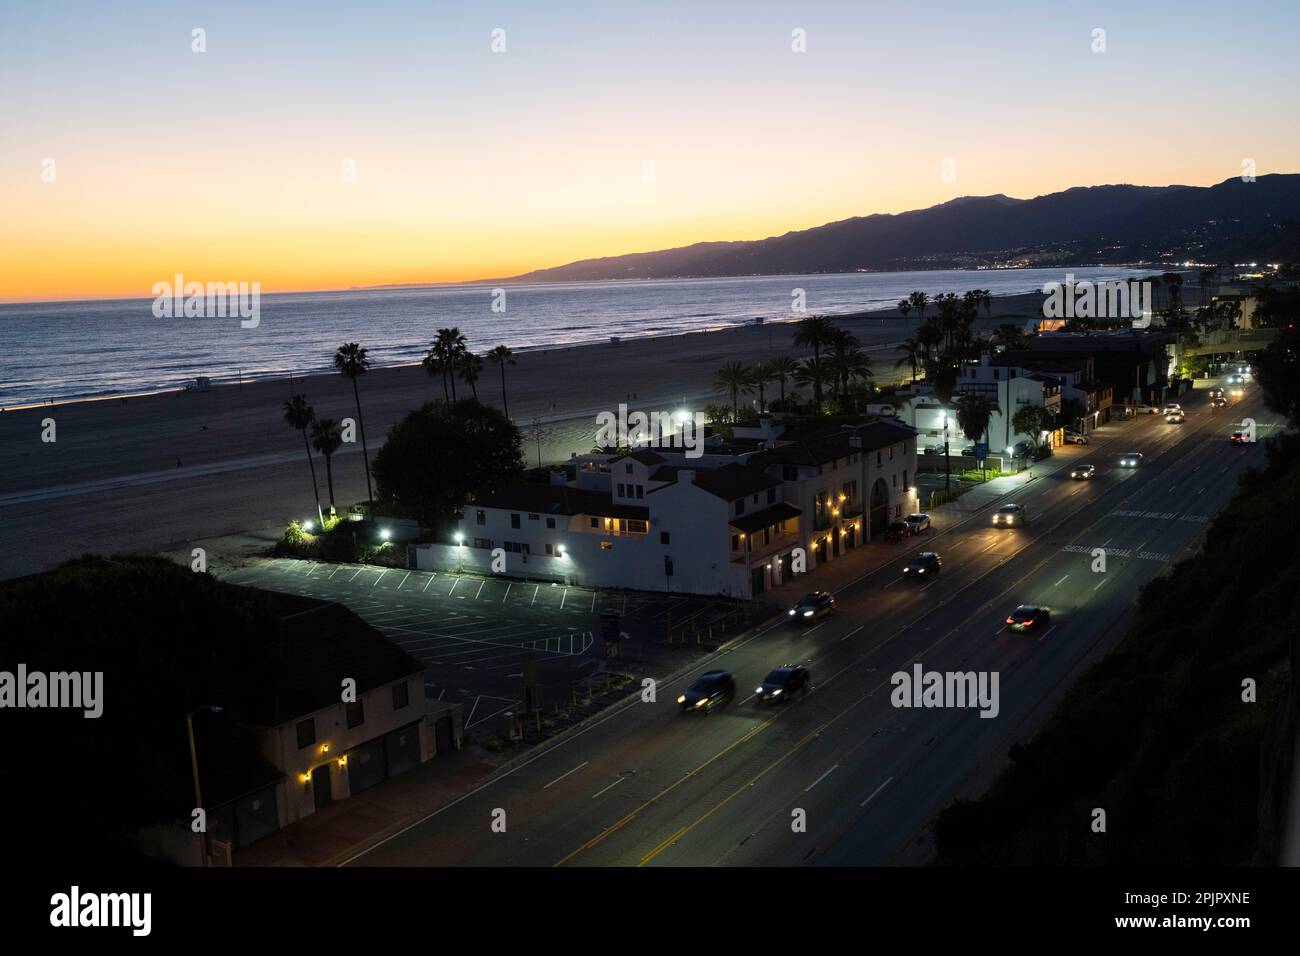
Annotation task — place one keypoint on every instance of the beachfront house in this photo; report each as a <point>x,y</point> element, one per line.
<point>738,521</point>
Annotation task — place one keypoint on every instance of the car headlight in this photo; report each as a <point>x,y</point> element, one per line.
<point>792,612</point>
<point>682,699</point>
<point>758,690</point>
<point>807,613</point>
<point>701,703</point>
<point>920,570</point>
<point>775,692</point>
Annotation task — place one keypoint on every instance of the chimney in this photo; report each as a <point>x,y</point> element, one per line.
<point>559,477</point>
<point>685,476</point>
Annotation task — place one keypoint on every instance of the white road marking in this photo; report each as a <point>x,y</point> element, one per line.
<point>536,588</point>
<point>403,581</point>
<point>876,792</point>
<point>563,598</point>
<point>852,632</point>
<point>821,778</point>
<point>480,588</point>
<point>563,775</point>
<point>610,787</point>
<point>509,585</point>
<point>1046,632</point>
<point>354,576</point>
<point>380,578</point>
<point>453,586</point>
<point>427,583</point>
<point>1063,577</point>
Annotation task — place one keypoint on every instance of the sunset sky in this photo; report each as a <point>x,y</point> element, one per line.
<point>227,165</point>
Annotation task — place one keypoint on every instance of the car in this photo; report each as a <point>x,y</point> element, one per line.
<point>782,684</point>
<point>1076,438</point>
<point>1142,408</point>
<point>1029,617</point>
<point>711,690</point>
<point>1131,459</point>
<point>897,531</point>
<point>1236,379</point>
<point>1236,391</point>
<point>968,451</point>
<point>1238,438</point>
<point>1216,393</point>
<point>927,564</point>
<point>813,607</point>
<point>918,523</point>
<point>1219,402</point>
<point>1176,418</point>
<point>1173,408</point>
<point>1083,471</point>
<point>1009,515</point>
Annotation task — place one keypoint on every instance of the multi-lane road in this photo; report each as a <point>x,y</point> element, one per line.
<point>843,776</point>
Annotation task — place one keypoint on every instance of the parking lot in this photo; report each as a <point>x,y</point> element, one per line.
<point>475,633</point>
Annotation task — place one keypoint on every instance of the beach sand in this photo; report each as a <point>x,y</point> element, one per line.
<point>160,472</point>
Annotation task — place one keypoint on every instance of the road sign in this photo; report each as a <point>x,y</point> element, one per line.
<point>981,450</point>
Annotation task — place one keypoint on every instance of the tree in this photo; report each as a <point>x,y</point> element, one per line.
<point>326,437</point>
<point>929,335</point>
<point>973,415</point>
<point>1072,412</point>
<point>919,302</point>
<point>435,363</point>
<point>1033,420</point>
<point>1278,373</point>
<point>913,351</point>
<point>1010,336</point>
<point>943,376</point>
<point>439,457</point>
<point>815,332</point>
<point>733,378</point>
<point>783,370</point>
<point>449,346</point>
<point>299,415</point>
<point>761,376</point>
<point>904,307</point>
<point>351,362</point>
<point>501,356</point>
<point>470,368</point>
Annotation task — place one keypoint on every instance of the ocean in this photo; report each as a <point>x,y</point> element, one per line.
<point>57,351</point>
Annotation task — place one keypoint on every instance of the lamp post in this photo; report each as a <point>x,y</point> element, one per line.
<point>460,550</point>
<point>947,461</point>
<point>194,770</point>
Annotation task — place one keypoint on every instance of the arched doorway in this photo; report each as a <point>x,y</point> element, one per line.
<point>879,506</point>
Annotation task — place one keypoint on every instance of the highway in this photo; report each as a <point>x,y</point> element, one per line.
<point>841,776</point>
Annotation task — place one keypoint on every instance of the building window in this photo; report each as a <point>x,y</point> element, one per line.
<point>514,521</point>
<point>905,482</point>
<point>627,469</point>
<point>633,526</point>
<point>789,473</point>
<point>306,732</point>
<point>895,477</point>
<point>550,550</point>
<point>891,452</point>
<point>532,517</point>
<point>771,495</point>
<point>483,543</point>
<point>640,491</point>
<point>879,460</point>
<point>663,537</point>
<point>401,695</point>
<point>740,506</point>
<point>480,517</point>
<point>550,522</point>
<point>607,546</point>
<point>356,714</point>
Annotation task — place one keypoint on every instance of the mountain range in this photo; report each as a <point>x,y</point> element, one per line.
<point>1231,221</point>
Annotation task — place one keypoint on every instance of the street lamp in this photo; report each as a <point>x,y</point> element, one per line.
<point>947,461</point>
<point>194,769</point>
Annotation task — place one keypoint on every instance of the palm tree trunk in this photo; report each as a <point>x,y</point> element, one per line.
<point>329,478</point>
<point>365,454</point>
<point>315,488</point>
<point>505,403</point>
<point>446,397</point>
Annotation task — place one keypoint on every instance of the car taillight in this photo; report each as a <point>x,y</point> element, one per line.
<point>1011,620</point>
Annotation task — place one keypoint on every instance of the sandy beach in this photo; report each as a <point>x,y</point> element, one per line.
<point>161,471</point>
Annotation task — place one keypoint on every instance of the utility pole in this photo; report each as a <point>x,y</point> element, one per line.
<point>947,460</point>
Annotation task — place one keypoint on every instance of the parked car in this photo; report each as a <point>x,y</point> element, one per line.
<point>1238,438</point>
<point>1083,471</point>
<point>897,531</point>
<point>1029,617</point>
<point>1130,459</point>
<point>918,522</point>
<point>782,684</point>
<point>1010,515</point>
<point>1142,408</point>
<point>927,564</point>
<point>813,607</point>
<point>1076,438</point>
<point>711,690</point>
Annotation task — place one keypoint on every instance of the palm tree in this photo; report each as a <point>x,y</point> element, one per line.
<point>815,332</point>
<point>973,415</point>
<point>850,367</point>
<point>947,305</point>
<point>299,415</point>
<point>904,307</point>
<point>502,356</point>
<point>326,437</point>
<point>842,342</point>
<point>783,368</point>
<point>760,376</point>
<point>351,361</point>
<point>1203,279</point>
<point>470,368</point>
<point>913,350</point>
<point>919,302</point>
<point>1009,336</point>
<point>734,378</point>
<point>435,363</point>
<point>929,335</point>
<point>450,344</point>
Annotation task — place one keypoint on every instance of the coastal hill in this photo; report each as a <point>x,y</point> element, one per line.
<point>1233,220</point>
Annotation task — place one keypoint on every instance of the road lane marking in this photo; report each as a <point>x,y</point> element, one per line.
<point>610,787</point>
<point>1046,632</point>
<point>1063,577</point>
<point>875,793</point>
<point>821,778</point>
<point>563,775</point>
<point>851,633</point>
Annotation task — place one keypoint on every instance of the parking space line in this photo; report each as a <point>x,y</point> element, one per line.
<point>453,586</point>
<point>403,581</point>
<point>509,585</point>
<point>354,576</point>
<point>536,588</point>
<point>432,575</point>
<point>480,588</point>
<point>380,578</point>
<point>334,572</point>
